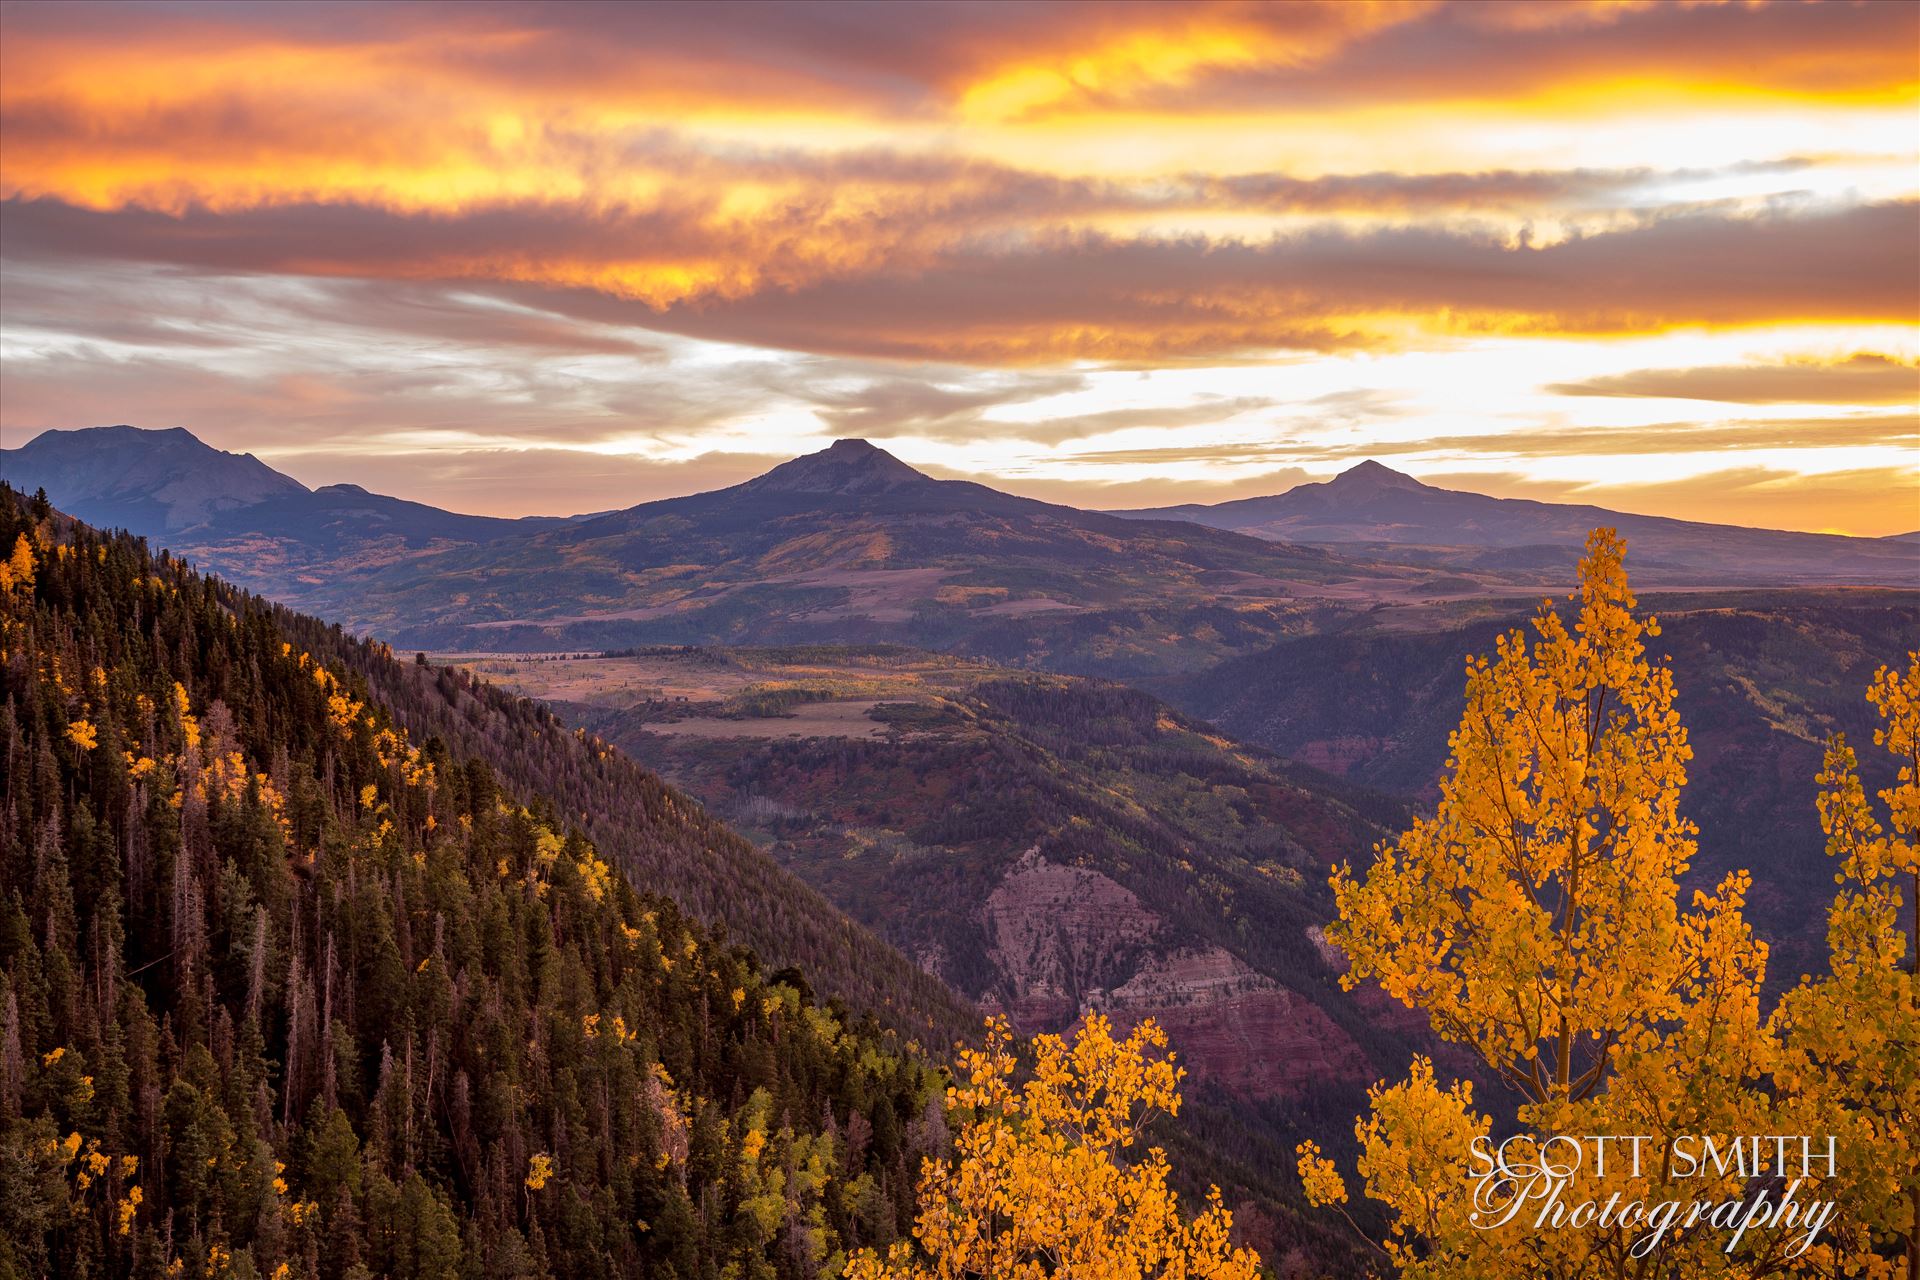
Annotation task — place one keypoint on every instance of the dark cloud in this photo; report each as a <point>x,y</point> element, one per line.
<point>916,58</point>
<point>1482,52</point>
<point>1070,296</point>
<point>1100,297</point>
<point>919,405</point>
<point>1861,379</point>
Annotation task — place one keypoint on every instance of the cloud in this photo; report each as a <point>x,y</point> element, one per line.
<point>960,410</point>
<point>1125,495</point>
<point>1059,297</point>
<point>922,402</point>
<point>362,369</point>
<point>1085,296</point>
<point>479,236</point>
<point>933,57</point>
<point>1865,378</point>
<point>1107,298</point>
<point>531,481</point>
<point>1043,58</point>
<point>1554,53</point>
<point>1855,431</point>
<point>1529,190</point>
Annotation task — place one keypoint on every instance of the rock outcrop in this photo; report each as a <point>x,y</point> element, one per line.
<point>1069,940</point>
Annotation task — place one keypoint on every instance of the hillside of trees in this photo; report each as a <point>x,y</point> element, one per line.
<point>295,983</point>
<point>661,837</point>
<point>915,832</point>
<point>1765,677</point>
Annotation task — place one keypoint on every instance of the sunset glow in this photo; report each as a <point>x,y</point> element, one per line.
<point>519,258</point>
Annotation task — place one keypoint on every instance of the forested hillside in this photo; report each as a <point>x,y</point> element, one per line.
<point>659,836</point>
<point>287,992</point>
<point>1763,678</point>
<point>1049,846</point>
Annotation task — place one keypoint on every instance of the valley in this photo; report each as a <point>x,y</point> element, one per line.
<point>932,750</point>
<point>1045,845</point>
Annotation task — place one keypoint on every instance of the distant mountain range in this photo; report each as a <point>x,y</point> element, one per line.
<point>845,544</point>
<point>152,483</point>
<point>230,512</point>
<point>851,544</point>
<point>1373,508</point>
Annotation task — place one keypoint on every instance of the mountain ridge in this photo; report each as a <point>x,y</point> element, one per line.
<point>123,476</point>
<point>1372,505</point>
<point>851,544</point>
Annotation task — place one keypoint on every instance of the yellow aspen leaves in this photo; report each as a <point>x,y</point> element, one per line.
<point>82,734</point>
<point>1535,915</point>
<point>17,570</point>
<point>1322,1180</point>
<point>1040,1183</point>
<point>1537,918</point>
<point>539,1170</point>
<point>1849,1040</point>
<point>189,727</point>
<point>597,876</point>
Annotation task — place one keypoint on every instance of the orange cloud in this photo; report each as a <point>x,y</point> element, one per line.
<point>798,286</point>
<point>557,188</point>
<point>1861,379</point>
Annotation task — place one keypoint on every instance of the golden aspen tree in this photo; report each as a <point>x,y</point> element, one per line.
<point>1849,1060</point>
<point>1537,918</point>
<point>1041,1183</point>
<point>16,571</point>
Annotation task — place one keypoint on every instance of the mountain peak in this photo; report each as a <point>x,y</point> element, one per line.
<point>1370,477</point>
<point>145,480</point>
<point>844,467</point>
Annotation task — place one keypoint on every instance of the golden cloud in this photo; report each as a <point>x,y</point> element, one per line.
<point>1866,378</point>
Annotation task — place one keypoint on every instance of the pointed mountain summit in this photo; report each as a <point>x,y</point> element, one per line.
<point>847,542</point>
<point>1371,477</point>
<point>851,467</point>
<point>1376,507</point>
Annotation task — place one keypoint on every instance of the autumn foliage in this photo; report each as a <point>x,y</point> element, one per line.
<point>1538,919</point>
<point>1043,1181</point>
<point>290,991</point>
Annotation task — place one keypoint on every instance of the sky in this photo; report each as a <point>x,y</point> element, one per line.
<point>556,257</point>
